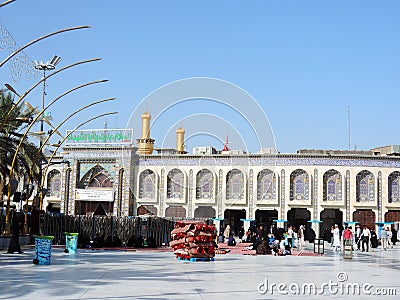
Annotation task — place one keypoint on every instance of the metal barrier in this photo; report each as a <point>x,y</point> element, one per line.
<point>348,249</point>
<point>319,246</point>
<point>122,228</point>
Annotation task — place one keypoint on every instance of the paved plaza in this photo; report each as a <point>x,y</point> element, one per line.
<point>103,274</point>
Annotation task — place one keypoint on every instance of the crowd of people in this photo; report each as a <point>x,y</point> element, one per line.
<point>361,238</point>
<point>272,240</point>
<point>277,241</point>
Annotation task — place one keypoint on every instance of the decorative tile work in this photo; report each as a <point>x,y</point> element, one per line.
<point>393,187</point>
<point>234,185</point>
<point>94,154</point>
<point>219,195</point>
<point>299,185</point>
<point>379,196</point>
<point>204,184</point>
<point>175,184</point>
<point>108,166</point>
<point>315,194</point>
<point>147,184</point>
<point>332,186</point>
<point>278,160</point>
<point>282,194</point>
<point>365,186</point>
<point>250,194</point>
<point>266,185</point>
<point>348,200</point>
<point>162,191</point>
<point>190,191</point>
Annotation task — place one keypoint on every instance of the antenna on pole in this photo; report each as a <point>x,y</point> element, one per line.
<point>348,125</point>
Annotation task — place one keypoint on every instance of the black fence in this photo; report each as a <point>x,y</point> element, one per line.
<point>111,227</point>
<point>114,228</point>
<point>2,220</point>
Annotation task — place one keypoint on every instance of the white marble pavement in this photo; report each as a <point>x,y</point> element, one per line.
<point>138,275</point>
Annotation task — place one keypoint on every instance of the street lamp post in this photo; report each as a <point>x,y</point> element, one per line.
<point>49,65</point>
<point>22,97</point>
<point>6,2</point>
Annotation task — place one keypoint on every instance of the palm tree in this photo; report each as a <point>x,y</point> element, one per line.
<point>10,136</point>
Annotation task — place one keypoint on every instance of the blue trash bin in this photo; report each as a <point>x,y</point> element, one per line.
<point>43,250</point>
<point>71,242</point>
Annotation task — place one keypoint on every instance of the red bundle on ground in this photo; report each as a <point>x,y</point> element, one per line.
<point>193,240</point>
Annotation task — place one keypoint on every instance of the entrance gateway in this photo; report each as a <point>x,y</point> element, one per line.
<point>94,202</point>
<point>298,216</point>
<point>266,217</point>
<point>233,218</point>
<point>329,217</point>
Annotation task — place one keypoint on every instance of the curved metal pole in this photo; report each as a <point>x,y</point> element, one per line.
<point>39,39</point>
<point>10,176</point>
<point>62,141</point>
<point>44,143</point>
<point>7,116</point>
<point>6,2</point>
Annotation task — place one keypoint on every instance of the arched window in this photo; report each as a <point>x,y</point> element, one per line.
<point>394,180</point>
<point>332,186</point>
<point>95,177</point>
<point>365,186</point>
<point>175,184</point>
<point>299,183</point>
<point>234,184</point>
<point>100,180</point>
<point>147,184</point>
<point>204,184</point>
<point>266,185</point>
<point>54,183</point>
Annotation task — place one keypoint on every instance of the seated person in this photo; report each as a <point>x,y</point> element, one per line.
<point>264,248</point>
<point>221,238</point>
<point>132,241</point>
<point>287,250</point>
<point>231,241</point>
<point>276,247</point>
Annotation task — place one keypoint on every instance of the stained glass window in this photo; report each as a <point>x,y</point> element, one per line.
<point>54,183</point>
<point>365,186</point>
<point>332,186</point>
<point>147,184</point>
<point>175,184</point>
<point>394,179</point>
<point>299,185</point>
<point>204,184</point>
<point>266,185</point>
<point>234,184</point>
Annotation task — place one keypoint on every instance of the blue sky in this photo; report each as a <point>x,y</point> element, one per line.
<point>305,62</point>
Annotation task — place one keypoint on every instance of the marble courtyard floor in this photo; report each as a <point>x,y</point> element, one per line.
<point>100,274</point>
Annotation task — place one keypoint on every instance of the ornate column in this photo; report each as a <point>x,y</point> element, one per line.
<point>161,193</point>
<point>315,191</point>
<point>219,195</point>
<point>190,191</point>
<point>348,195</point>
<point>250,195</point>
<point>379,196</point>
<point>282,194</point>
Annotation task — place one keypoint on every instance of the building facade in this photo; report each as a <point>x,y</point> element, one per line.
<point>327,187</point>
